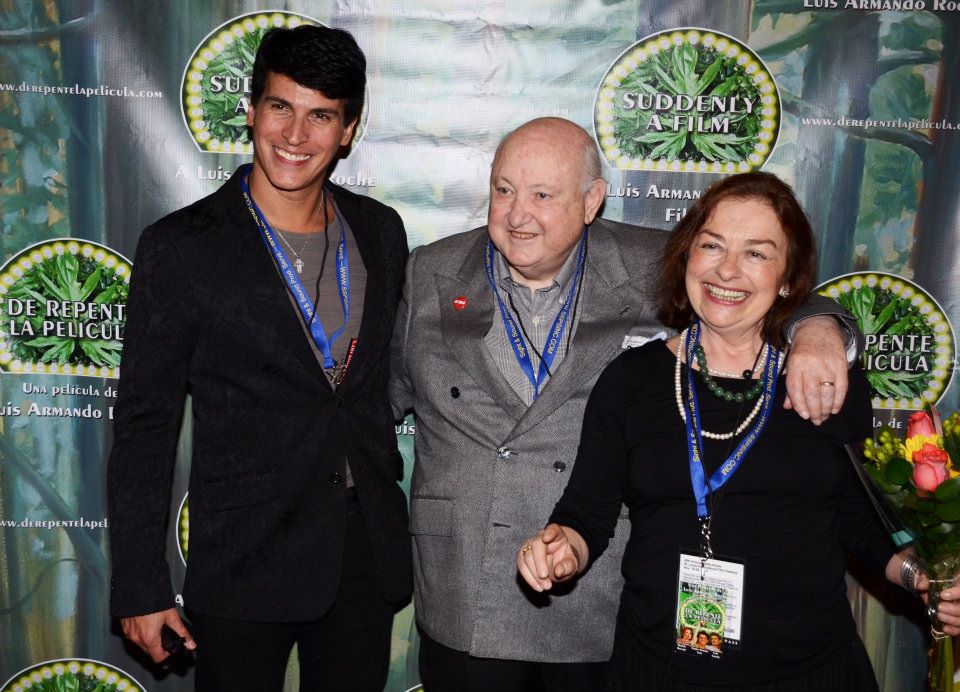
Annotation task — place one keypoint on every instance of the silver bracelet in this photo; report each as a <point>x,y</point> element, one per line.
<point>909,569</point>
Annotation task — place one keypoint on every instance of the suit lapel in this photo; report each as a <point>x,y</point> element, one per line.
<point>272,307</point>
<point>464,330</point>
<point>365,233</point>
<point>594,342</point>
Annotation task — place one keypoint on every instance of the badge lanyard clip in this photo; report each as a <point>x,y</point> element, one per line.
<point>706,549</point>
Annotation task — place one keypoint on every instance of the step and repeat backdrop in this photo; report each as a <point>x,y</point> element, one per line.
<point>116,112</point>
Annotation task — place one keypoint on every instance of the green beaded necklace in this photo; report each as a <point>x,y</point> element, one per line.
<point>719,391</point>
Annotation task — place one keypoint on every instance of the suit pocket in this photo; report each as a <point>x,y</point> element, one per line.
<point>236,491</point>
<point>431,516</point>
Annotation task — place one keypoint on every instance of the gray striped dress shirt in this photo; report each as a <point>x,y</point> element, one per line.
<point>536,312</point>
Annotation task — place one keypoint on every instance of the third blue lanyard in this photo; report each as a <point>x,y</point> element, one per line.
<point>556,330</point>
<point>701,486</point>
<point>307,309</point>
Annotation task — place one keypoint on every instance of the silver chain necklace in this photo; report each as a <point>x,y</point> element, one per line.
<point>297,262</point>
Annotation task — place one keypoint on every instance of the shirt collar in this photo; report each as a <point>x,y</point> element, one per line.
<point>561,280</point>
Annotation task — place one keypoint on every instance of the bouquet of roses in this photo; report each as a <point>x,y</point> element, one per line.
<point>920,478</point>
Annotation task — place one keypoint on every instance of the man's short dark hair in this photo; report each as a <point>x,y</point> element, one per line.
<point>317,57</point>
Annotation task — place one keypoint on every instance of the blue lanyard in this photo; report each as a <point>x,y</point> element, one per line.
<point>771,369</point>
<point>554,338</point>
<point>293,282</point>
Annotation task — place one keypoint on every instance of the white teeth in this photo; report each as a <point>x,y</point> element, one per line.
<point>291,157</point>
<point>726,294</point>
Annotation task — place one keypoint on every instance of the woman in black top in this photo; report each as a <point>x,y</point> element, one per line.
<point>741,512</point>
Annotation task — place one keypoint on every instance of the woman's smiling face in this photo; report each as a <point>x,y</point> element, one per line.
<point>736,265</point>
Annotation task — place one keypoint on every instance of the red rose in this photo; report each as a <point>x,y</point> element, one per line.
<point>930,454</point>
<point>929,467</point>
<point>920,423</point>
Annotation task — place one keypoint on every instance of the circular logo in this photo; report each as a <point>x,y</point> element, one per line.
<point>62,309</point>
<point>72,674</point>
<point>215,89</point>
<point>687,99</point>
<point>183,528</point>
<point>910,347</point>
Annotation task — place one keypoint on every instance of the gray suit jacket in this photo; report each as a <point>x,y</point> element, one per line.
<point>488,468</point>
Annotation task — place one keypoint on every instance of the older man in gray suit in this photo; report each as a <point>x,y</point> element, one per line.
<point>500,336</point>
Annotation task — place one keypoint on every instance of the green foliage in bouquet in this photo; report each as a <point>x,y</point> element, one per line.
<point>919,477</point>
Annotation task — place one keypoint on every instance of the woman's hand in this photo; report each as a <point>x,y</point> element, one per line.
<point>948,610</point>
<point>556,554</point>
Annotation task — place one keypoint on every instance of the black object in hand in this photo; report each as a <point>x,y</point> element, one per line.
<point>172,642</point>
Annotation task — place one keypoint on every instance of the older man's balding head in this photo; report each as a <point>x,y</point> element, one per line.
<point>545,187</point>
<point>566,134</point>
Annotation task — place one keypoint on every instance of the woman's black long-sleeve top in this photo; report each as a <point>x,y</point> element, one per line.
<point>791,512</point>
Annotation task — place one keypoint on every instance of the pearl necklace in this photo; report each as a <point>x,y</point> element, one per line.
<point>679,397</point>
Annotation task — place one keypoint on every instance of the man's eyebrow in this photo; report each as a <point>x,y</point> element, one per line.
<point>539,186</point>
<point>322,110</point>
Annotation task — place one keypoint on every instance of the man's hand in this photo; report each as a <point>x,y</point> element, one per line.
<point>556,554</point>
<point>144,631</point>
<point>817,372</point>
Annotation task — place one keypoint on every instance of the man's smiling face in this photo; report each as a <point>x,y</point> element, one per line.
<point>540,198</point>
<point>296,133</point>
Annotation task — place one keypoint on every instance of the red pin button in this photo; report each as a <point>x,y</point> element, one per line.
<point>459,303</point>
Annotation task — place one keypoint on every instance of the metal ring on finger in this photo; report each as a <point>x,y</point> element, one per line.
<point>827,384</point>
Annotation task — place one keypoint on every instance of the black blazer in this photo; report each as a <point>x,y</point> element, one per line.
<point>209,315</point>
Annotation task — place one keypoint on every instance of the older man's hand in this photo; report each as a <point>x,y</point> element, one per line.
<point>817,369</point>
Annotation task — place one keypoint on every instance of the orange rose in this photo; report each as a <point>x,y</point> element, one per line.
<point>929,467</point>
<point>920,423</point>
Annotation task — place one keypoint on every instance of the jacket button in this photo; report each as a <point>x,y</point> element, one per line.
<point>559,466</point>
<point>336,478</point>
<point>504,453</point>
<point>454,392</point>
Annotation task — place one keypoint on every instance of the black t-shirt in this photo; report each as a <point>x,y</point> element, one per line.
<point>790,513</point>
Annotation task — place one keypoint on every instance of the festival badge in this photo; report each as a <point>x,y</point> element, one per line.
<point>63,309</point>
<point>72,674</point>
<point>215,89</point>
<point>687,99</point>
<point>910,346</point>
<point>701,611</point>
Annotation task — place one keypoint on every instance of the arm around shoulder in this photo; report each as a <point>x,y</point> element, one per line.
<point>825,340</point>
